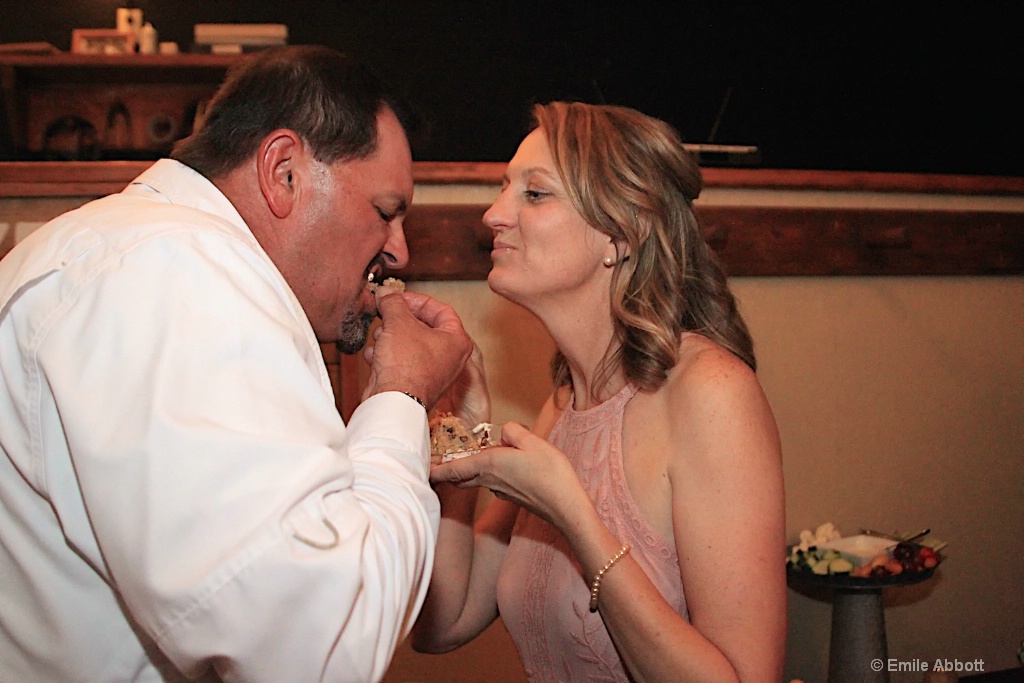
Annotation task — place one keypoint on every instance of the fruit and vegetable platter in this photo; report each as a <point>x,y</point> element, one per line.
<point>865,559</point>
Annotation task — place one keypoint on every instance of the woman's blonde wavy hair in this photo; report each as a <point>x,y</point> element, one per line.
<point>628,175</point>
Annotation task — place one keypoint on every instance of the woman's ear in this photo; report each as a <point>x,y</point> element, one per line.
<point>277,169</point>
<point>622,249</point>
<point>618,252</point>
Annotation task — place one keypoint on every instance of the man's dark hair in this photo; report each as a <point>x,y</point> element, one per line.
<point>330,99</point>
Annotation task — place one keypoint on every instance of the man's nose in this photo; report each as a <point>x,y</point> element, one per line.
<point>396,251</point>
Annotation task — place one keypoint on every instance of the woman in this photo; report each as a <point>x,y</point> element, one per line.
<point>637,532</point>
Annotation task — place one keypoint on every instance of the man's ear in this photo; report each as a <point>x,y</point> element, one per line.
<point>278,162</point>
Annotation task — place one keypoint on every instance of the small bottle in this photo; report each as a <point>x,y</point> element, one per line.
<point>147,39</point>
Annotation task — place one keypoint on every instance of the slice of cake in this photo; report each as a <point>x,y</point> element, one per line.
<point>390,282</point>
<point>451,439</point>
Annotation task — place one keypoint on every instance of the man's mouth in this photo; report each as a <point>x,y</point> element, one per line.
<point>374,275</point>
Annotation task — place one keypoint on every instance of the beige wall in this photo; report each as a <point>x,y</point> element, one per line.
<point>901,406</point>
<point>900,402</point>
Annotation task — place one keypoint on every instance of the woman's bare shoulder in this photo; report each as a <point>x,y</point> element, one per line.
<point>703,362</point>
<point>710,386</point>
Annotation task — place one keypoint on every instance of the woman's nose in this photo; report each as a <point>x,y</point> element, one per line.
<point>498,215</point>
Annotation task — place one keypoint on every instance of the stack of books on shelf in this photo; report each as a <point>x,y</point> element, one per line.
<point>226,39</point>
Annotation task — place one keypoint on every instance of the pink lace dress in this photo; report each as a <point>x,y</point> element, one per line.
<point>542,595</point>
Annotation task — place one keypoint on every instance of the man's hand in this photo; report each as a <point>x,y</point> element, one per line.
<point>420,346</point>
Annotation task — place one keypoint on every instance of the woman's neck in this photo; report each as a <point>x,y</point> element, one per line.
<point>587,395</point>
<point>586,344</point>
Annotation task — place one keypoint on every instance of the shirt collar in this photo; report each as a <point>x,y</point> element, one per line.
<point>184,186</point>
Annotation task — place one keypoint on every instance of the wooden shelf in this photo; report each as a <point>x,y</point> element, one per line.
<point>67,68</point>
<point>72,106</point>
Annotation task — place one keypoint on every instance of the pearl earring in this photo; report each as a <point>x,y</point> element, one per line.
<point>609,261</point>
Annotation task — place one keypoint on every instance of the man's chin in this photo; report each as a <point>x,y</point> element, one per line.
<point>354,330</point>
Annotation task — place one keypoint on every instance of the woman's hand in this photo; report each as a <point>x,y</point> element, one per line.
<point>527,471</point>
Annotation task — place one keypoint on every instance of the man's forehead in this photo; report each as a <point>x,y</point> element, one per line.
<point>385,175</point>
<point>393,156</point>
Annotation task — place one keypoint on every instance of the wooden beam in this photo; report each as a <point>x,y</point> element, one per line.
<point>85,179</point>
<point>760,241</point>
<point>96,178</point>
<point>449,242</point>
<point>490,173</point>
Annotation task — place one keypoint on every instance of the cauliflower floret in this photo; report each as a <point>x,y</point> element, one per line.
<point>823,534</point>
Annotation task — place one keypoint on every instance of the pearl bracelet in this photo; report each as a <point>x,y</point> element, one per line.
<point>595,585</point>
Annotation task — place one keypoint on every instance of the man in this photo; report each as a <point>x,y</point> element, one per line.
<point>181,497</point>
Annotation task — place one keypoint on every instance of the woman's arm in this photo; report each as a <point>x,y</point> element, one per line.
<point>462,599</point>
<point>727,504</point>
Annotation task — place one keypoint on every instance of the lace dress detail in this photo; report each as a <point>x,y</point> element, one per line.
<point>542,594</point>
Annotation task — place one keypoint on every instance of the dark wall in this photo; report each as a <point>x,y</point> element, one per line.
<point>899,86</point>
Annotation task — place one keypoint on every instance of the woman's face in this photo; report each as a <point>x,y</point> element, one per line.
<point>543,249</point>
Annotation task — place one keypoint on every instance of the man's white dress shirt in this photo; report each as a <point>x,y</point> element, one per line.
<point>179,492</point>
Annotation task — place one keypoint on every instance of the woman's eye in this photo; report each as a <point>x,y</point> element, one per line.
<point>385,216</point>
<point>534,195</point>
